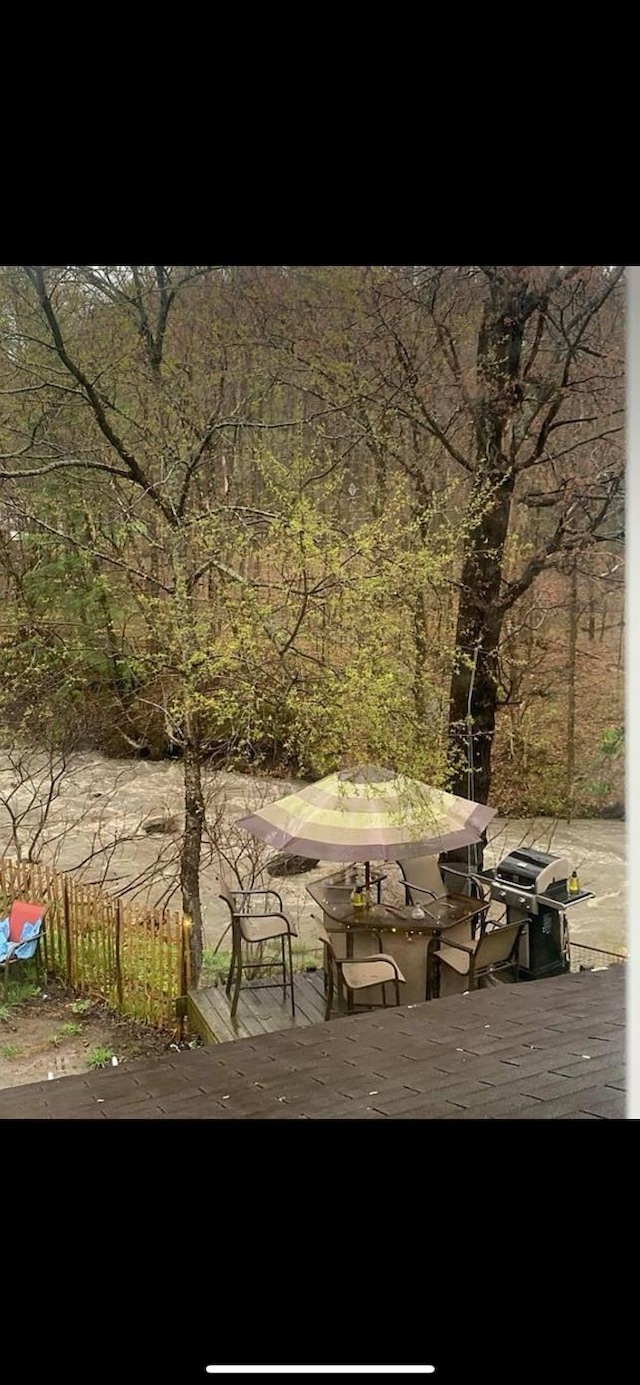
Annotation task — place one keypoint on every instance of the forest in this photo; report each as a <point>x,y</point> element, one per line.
<point>286,518</point>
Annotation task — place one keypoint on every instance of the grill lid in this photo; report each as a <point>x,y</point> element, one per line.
<point>528,869</point>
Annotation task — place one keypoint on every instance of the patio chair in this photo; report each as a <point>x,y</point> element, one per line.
<point>251,927</point>
<point>354,976</point>
<point>423,881</point>
<point>463,965</point>
<point>21,934</point>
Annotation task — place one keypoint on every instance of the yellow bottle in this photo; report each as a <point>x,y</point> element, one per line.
<point>574,883</point>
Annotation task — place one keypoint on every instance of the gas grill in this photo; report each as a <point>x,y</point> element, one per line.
<point>524,877</point>
<point>534,888</point>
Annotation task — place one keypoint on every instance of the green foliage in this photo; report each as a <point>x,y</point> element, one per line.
<point>215,964</point>
<point>215,967</point>
<point>10,1050</point>
<point>603,777</point>
<point>612,742</point>
<point>18,992</point>
<point>281,604</point>
<point>99,1056</point>
<point>80,1007</point>
<point>66,1031</point>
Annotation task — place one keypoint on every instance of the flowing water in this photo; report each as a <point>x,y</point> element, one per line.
<point>103,804</point>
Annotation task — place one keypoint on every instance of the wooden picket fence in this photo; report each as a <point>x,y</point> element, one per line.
<point>136,960</point>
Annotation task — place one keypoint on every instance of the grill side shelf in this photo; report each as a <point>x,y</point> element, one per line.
<point>565,899</point>
<point>562,900</point>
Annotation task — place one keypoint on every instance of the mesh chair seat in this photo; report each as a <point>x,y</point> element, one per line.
<point>371,971</point>
<point>356,975</point>
<point>423,881</point>
<point>261,930</point>
<point>454,958</point>
<point>492,951</point>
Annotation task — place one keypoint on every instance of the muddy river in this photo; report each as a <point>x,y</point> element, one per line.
<point>102,806</point>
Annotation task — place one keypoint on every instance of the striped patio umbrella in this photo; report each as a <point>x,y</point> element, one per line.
<point>368,814</point>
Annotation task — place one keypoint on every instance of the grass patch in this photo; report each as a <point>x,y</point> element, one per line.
<point>148,966</point>
<point>66,1031</point>
<point>10,1050</point>
<point>98,1057</point>
<point>20,991</point>
<point>215,965</point>
<point>80,1007</point>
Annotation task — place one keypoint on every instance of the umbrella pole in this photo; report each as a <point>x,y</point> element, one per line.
<point>367,875</point>
<point>470,766</point>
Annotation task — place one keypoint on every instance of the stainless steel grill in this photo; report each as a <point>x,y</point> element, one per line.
<point>535,887</point>
<point>525,877</point>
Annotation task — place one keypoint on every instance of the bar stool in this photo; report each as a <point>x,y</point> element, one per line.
<point>250,927</point>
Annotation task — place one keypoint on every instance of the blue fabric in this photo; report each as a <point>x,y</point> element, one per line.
<point>28,940</point>
<point>4,938</point>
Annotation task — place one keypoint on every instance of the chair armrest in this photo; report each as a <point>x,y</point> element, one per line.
<point>419,889</point>
<point>481,885</point>
<point>251,918</point>
<point>273,914</point>
<point>460,947</point>
<point>493,924</point>
<point>382,957</point>
<point>247,894</point>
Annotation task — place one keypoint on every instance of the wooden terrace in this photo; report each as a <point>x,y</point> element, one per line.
<point>261,1010</point>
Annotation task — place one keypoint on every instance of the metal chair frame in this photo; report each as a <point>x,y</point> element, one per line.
<point>333,963</point>
<point>238,964</point>
<point>475,972</point>
<point>418,894</point>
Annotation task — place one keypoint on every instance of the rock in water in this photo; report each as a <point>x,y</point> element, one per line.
<point>289,865</point>
<point>166,824</point>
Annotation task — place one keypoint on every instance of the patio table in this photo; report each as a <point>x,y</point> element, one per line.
<point>410,940</point>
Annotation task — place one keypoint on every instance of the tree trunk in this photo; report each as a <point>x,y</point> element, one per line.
<point>480,614</point>
<point>191,850</point>
<point>571,691</point>
<point>421,645</point>
<point>479,626</point>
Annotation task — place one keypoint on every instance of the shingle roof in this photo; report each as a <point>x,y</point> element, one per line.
<point>540,1050</point>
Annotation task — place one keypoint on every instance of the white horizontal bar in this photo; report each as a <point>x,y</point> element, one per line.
<point>320,1370</point>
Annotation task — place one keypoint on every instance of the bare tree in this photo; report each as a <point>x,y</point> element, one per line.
<point>517,371</point>
<point>44,818</point>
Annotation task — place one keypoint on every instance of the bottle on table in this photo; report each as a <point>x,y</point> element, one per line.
<point>359,893</point>
<point>574,883</point>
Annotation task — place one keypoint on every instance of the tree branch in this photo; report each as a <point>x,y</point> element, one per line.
<point>137,475</point>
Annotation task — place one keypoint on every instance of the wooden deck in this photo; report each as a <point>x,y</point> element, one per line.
<point>260,1010</point>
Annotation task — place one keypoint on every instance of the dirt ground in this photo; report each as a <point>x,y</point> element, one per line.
<point>53,1035</point>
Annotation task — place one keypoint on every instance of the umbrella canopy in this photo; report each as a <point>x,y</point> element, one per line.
<point>368,813</point>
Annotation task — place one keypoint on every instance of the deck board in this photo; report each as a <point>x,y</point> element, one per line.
<point>260,1010</point>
